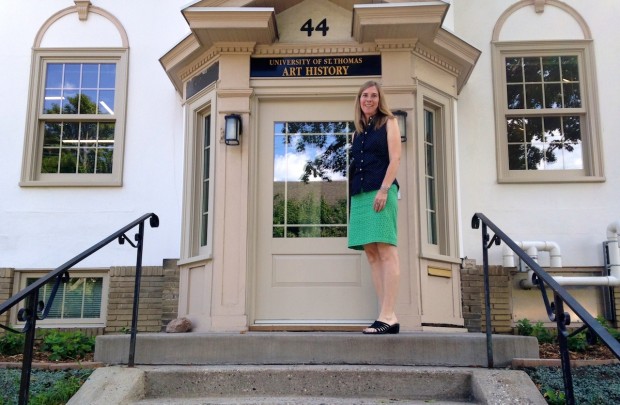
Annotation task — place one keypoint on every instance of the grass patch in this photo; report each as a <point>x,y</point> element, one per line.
<point>46,387</point>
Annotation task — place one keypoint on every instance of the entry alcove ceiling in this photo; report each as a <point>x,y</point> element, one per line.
<point>254,22</point>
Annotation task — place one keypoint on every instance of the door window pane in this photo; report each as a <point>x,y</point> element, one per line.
<point>310,186</point>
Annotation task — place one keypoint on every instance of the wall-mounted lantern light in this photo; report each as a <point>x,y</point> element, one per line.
<point>232,129</point>
<point>401,116</point>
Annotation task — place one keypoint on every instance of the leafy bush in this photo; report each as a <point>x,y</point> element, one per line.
<point>11,343</point>
<point>544,335</point>
<point>613,332</point>
<point>578,342</point>
<point>67,345</point>
<point>524,327</point>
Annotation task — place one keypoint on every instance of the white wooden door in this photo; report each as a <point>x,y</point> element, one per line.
<point>305,273</point>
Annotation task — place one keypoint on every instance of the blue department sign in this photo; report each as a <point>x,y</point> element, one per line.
<point>316,66</point>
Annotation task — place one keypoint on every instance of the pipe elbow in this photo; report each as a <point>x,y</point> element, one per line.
<point>613,230</point>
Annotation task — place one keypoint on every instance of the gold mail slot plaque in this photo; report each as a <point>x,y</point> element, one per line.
<point>438,272</point>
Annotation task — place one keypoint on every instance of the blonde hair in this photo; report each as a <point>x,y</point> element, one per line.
<point>383,111</point>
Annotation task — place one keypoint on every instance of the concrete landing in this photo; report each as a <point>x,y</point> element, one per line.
<point>333,348</point>
<point>305,384</point>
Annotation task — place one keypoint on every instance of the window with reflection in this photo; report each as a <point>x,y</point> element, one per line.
<point>310,186</point>
<point>547,120</point>
<point>544,112</point>
<point>78,136</point>
<point>76,118</point>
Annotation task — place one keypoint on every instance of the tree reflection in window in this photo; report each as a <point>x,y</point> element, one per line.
<point>549,139</point>
<point>78,107</point>
<point>310,193</point>
<point>77,147</point>
<point>544,143</point>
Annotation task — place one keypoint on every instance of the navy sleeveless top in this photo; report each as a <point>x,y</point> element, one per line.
<point>370,159</point>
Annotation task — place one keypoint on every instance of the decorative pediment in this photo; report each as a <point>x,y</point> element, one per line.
<point>232,24</point>
<point>416,24</point>
<point>398,20</point>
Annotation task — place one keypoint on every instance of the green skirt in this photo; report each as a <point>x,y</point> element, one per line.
<point>367,226</point>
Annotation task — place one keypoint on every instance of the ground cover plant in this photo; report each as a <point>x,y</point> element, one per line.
<point>592,385</point>
<point>46,387</point>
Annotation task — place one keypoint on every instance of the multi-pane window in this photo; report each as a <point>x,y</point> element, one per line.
<point>77,302</point>
<point>547,123</point>
<point>430,175</point>
<point>543,121</point>
<point>77,137</point>
<point>310,187</point>
<point>206,177</point>
<point>75,133</point>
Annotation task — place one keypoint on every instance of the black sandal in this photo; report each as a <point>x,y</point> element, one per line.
<point>382,328</point>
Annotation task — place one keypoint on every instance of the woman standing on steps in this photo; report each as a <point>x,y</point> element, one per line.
<point>375,156</point>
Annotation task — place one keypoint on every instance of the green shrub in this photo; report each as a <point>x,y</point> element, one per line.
<point>67,345</point>
<point>524,327</point>
<point>555,397</point>
<point>11,343</point>
<point>613,332</point>
<point>578,342</point>
<point>544,335</point>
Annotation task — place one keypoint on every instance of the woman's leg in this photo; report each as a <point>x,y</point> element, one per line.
<point>385,266</point>
<point>372,254</point>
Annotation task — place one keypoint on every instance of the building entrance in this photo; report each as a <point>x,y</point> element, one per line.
<point>305,273</point>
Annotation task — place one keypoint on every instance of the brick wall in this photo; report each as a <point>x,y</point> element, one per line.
<point>159,295</point>
<point>6,287</point>
<point>472,285</point>
<point>158,298</point>
<point>617,301</point>
<point>170,292</point>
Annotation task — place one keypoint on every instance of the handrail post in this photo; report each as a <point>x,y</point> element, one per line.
<point>136,296</point>
<point>31,321</point>
<point>561,322</point>
<point>487,294</point>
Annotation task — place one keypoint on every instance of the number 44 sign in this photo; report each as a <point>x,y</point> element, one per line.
<point>309,28</point>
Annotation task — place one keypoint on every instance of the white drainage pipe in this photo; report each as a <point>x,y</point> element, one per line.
<point>613,280</point>
<point>532,248</point>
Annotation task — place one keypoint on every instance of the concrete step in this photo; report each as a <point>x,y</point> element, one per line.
<point>294,348</point>
<point>306,384</point>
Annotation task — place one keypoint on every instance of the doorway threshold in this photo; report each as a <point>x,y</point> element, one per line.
<point>309,326</point>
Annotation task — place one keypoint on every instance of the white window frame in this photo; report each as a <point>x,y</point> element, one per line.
<point>21,277</point>
<point>447,248</point>
<point>33,145</point>
<point>593,168</point>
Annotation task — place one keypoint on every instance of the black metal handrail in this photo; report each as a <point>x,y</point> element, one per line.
<point>37,310</point>
<point>555,310</point>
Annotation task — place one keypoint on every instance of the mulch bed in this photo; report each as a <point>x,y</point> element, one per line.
<point>596,352</point>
